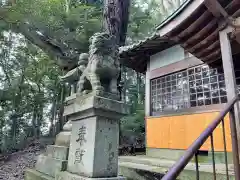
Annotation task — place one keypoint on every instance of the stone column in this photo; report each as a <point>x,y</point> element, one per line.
<point>93,152</point>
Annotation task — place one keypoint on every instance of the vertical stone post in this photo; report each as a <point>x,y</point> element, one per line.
<point>93,152</point>
<point>72,89</point>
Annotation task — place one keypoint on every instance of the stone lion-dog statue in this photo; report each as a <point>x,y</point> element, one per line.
<point>103,66</point>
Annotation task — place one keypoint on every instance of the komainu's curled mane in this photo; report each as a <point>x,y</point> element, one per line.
<point>103,66</point>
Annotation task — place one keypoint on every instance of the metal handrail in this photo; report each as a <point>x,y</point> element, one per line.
<point>178,167</point>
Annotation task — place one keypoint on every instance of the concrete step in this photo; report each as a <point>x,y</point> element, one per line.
<point>134,171</point>
<point>50,166</point>
<point>31,174</point>
<point>147,161</point>
<point>138,165</point>
<point>64,175</point>
<point>57,152</point>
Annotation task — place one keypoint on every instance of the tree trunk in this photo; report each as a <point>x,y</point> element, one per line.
<point>115,14</point>
<point>34,124</point>
<point>39,120</point>
<point>138,88</point>
<point>51,129</point>
<point>67,5</point>
<point>61,109</point>
<point>14,126</point>
<point>124,93</point>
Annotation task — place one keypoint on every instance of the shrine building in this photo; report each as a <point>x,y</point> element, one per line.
<point>192,70</point>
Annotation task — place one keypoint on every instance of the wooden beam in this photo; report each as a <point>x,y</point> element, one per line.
<point>210,38</point>
<point>175,67</point>
<point>143,68</point>
<point>201,33</point>
<point>189,44</point>
<point>216,8</point>
<point>236,14</point>
<point>140,62</point>
<point>212,47</point>
<point>213,7</point>
<point>193,26</point>
<point>214,59</point>
<point>235,50</point>
<point>210,25</point>
<point>232,4</point>
<point>210,56</point>
<point>188,22</point>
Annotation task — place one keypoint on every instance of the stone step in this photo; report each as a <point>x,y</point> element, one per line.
<point>64,175</point>
<point>57,152</point>
<point>131,166</point>
<point>50,166</point>
<point>31,174</point>
<point>136,171</point>
<point>147,161</point>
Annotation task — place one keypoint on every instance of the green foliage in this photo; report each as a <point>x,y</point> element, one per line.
<point>134,122</point>
<point>145,15</point>
<point>141,21</point>
<point>8,145</point>
<point>31,96</point>
<point>29,83</point>
<point>66,25</point>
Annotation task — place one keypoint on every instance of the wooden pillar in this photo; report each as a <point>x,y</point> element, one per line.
<point>229,73</point>
<point>147,92</point>
<point>147,103</point>
<point>228,66</point>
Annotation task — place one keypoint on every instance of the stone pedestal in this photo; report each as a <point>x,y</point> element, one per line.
<point>49,164</point>
<point>54,159</point>
<point>93,152</point>
<point>63,138</point>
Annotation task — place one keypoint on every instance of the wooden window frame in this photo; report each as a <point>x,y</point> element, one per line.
<point>198,108</point>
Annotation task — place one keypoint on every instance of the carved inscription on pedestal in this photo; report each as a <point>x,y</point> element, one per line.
<point>79,153</point>
<point>110,157</point>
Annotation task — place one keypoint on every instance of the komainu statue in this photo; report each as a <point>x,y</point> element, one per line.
<point>72,77</point>
<point>103,66</point>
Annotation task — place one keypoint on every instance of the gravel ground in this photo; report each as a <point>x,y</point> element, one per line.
<point>12,168</point>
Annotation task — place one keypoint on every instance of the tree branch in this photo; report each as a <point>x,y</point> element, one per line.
<point>47,45</point>
<point>64,56</point>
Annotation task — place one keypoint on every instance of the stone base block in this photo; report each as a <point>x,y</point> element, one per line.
<point>50,166</point>
<point>63,139</point>
<point>57,152</point>
<point>64,175</point>
<point>67,126</point>
<point>31,174</point>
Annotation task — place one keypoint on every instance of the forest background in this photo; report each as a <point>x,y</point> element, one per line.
<point>31,95</point>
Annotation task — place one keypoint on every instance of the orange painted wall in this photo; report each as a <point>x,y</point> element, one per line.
<point>178,132</point>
